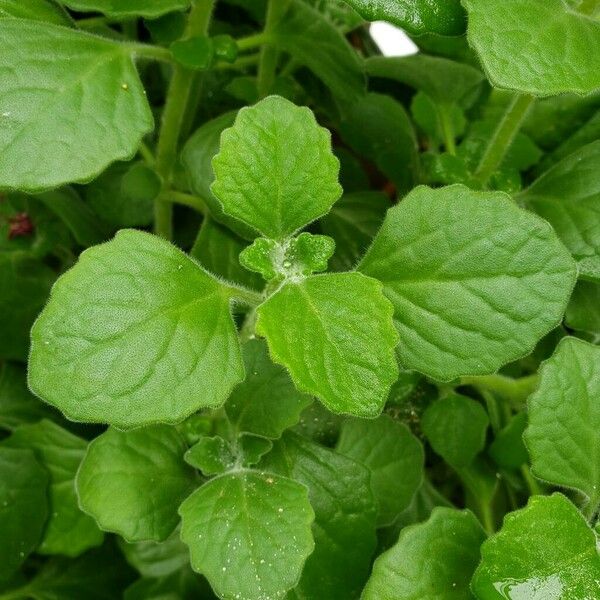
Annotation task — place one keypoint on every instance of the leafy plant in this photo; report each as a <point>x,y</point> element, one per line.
<point>281,317</point>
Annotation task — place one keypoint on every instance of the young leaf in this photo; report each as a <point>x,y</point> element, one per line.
<point>345,512</point>
<point>455,427</point>
<point>212,455</point>
<point>132,482</point>
<point>36,10</point>
<point>435,559</point>
<point>353,222</point>
<point>266,403</point>
<point>378,128</point>
<point>314,42</point>
<point>552,42</point>
<point>68,531</point>
<point>123,8</point>
<point>508,275</point>
<point>275,170</point>
<point>568,196</point>
<point>24,287</point>
<point>135,333</point>
<point>23,507</point>
<point>249,533</point>
<point>545,550</point>
<point>83,108</point>
<point>318,329</point>
<point>563,435</point>
<point>583,312</point>
<point>18,405</point>
<point>444,17</point>
<point>444,81</point>
<point>394,457</point>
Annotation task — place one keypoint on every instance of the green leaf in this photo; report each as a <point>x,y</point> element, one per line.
<point>36,10</point>
<point>23,507</point>
<point>96,575</point>
<point>84,108</point>
<point>122,8</point>
<point>444,17</point>
<point>313,41</point>
<point>455,426</point>
<point>318,329</point>
<point>444,81</point>
<point>353,222</point>
<point>86,226</point>
<point>508,275</point>
<point>345,511</point>
<point>18,405</point>
<point>434,559</point>
<point>393,455</point>
<point>378,128</point>
<point>132,482</point>
<point>218,249</point>
<point>24,286</point>
<point>181,585</point>
<point>266,403</point>
<point>120,203</point>
<point>275,170</point>
<point>552,42</point>
<point>545,550</point>
<point>212,455</point>
<point>135,333</point>
<point>508,449</point>
<point>68,531</point>
<point>563,435</point>
<point>583,312</point>
<point>196,158</point>
<point>157,559</point>
<point>194,53</point>
<point>568,196</point>
<point>248,533</point>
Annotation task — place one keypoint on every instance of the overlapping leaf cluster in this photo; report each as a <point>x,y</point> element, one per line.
<point>281,317</point>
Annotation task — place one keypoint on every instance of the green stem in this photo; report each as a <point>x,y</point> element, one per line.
<point>147,51</point>
<point>590,510</point>
<point>514,391</point>
<point>493,409</point>
<point>447,128</point>
<point>146,154</point>
<point>194,202</point>
<point>252,41</point>
<point>245,295</point>
<point>240,63</point>
<point>269,54</point>
<point>173,118</point>
<point>503,136</point>
<point>532,484</point>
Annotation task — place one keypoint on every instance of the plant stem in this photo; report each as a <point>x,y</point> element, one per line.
<point>514,391</point>
<point>503,136</point>
<point>252,41</point>
<point>447,128</point>
<point>150,52</point>
<point>269,53</point>
<point>532,484</point>
<point>190,200</point>
<point>493,409</point>
<point>173,118</point>
<point>245,295</point>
